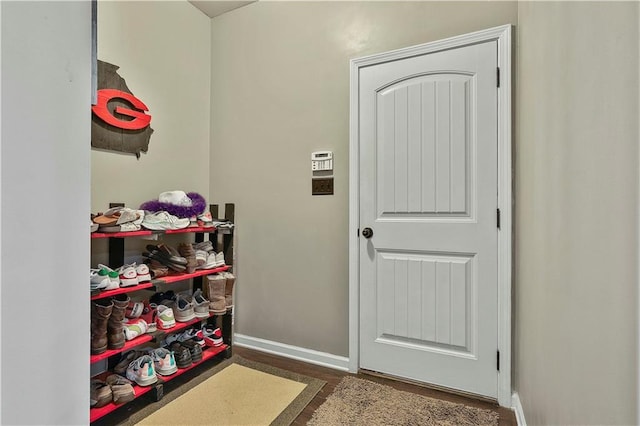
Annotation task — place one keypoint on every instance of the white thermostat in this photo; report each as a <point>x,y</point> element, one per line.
<point>321,160</point>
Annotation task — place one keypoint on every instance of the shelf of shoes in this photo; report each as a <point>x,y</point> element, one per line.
<point>157,335</point>
<point>146,233</point>
<point>208,353</point>
<point>171,278</point>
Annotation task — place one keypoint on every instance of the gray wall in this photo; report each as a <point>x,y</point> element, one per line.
<point>46,51</point>
<point>280,90</point>
<point>577,216</point>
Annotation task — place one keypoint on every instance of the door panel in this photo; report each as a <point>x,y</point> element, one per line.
<point>428,189</point>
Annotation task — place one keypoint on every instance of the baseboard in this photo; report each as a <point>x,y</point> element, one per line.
<point>294,352</point>
<point>517,407</point>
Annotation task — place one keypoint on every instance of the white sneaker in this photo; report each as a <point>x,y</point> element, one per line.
<point>142,273</point>
<point>165,318</point>
<point>161,221</point>
<point>142,371</point>
<point>114,276</point>
<point>128,275</point>
<point>214,260</point>
<point>99,279</point>
<point>183,309</point>
<point>200,305</point>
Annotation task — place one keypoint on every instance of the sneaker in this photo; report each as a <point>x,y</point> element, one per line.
<point>98,279</point>
<point>181,354</point>
<point>206,246</point>
<point>211,336</point>
<point>114,276</point>
<point>137,327</point>
<point>183,309</point>
<point>201,258</point>
<point>100,394</point>
<point>180,337</point>
<point>142,273</point>
<point>195,349</point>
<point>164,361</point>
<point>125,360</point>
<point>200,304</point>
<point>128,275</point>
<point>134,309</point>
<point>141,371</point>
<point>150,316</point>
<point>165,318</point>
<point>121,389</point>
<point>214,260</point>
<point>162,220</point>
<point>205,220</point>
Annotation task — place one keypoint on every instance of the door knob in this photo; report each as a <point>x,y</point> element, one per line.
<point>367,232</point>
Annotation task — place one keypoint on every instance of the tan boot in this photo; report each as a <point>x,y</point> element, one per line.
<point>100,313</point>
<point>115,326</point>
<point>215,292</point>
<point>228,290</point>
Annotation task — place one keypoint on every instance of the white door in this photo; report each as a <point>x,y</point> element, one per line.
<point>428,192</point>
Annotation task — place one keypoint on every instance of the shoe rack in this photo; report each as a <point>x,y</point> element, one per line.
<point>222,240</point>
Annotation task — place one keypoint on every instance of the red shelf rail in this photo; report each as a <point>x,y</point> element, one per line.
<point>145,233</point>
<point>130,344</point>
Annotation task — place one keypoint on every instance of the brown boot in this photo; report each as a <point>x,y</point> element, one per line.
<point>115,327</point>
<point>215,292</point>
<point>228,290</point>
<point>100,314</point>
<point>187,251</point>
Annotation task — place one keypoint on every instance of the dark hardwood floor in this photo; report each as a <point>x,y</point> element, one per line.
<point>333,377</point>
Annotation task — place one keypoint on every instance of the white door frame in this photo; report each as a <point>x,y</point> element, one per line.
<point>502,35</point>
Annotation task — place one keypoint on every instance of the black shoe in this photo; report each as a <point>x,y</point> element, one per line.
<point>181,354</point>
<point>195,349</point>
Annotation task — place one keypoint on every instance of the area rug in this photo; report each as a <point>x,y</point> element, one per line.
<point>362,402</point>
<point>235,392</point>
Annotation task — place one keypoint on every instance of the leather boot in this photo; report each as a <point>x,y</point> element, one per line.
<point>100,314</point>
<point>228,290</point>
<point>215,292</point>
<point>115,327</point>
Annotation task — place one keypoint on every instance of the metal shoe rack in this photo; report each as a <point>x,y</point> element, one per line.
<point>222,240</point>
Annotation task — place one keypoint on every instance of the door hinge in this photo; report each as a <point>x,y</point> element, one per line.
<point>498,361</point>
<point>498,77</point>
<point>498,218</point>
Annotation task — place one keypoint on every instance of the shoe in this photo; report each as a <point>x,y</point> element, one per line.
<point>211,336</point>
<point>181,355</point>
<point>216,285</point>
<point>115,326</point>
<point>114,276</point>
<point>128,275</point>
<point>134,309</point>
<point>165,318</point>
<point>214,260</point>
<point>142,371</point>
<point>228,289</point>
<point>183,310</point>
<point>137,327</point>
<point>121,389</point>
<point>98,279</point>
<point>125,360</point>
<point>150,316</point>
<point>101,311</point>
<point>100,394</point>
<point>142,273</point>
<point>180,337</point>
<point>205,220</point>
<point>161,221</point>
<point>187,251</point>
<point>206,246</point>
<point>200,305</point>
<point>201,258</point>
<point>195,349</point>
<point>164,361</point>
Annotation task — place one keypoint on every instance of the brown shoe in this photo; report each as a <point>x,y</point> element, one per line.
<point>115,326</point>
<point>121,389</point>
<point>215,293</point>
<point>187,251</point>
<point>228,289</point>
<point>100,314</point>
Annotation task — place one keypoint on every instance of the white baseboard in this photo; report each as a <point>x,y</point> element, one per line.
<point>294,352</point>
<point>517,407</point>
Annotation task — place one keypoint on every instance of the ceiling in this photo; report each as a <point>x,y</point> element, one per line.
<point>213,8</point>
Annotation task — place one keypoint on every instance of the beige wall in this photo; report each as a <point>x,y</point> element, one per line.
<point>577,216</point>
<point>280,90</point>
<point>164,53</point>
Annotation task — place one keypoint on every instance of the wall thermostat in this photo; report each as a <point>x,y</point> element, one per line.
<point>321,160</point>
